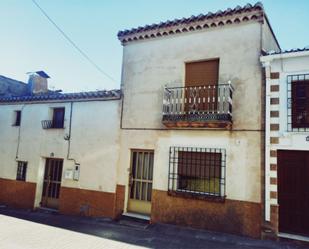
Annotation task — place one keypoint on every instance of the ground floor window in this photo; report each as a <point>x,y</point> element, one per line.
<point>21,171</point>
<point>199,171</point>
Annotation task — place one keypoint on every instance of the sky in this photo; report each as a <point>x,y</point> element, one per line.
<point>29,42</point>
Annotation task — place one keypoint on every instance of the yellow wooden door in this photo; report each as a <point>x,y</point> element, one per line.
<point>140,181</point>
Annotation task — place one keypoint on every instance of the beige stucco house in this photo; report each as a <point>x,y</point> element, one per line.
<point>192,139</point>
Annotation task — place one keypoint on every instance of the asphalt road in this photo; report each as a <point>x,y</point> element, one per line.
<point>21,229</point>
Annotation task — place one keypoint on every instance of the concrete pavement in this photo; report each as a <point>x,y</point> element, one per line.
<point>21,229</point>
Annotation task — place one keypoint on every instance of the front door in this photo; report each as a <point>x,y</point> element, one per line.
<point>140,182</point>
<point>52,183</point>
<point>293,192</point>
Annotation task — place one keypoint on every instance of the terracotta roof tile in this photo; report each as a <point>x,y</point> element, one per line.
<point>112,94</point>
<point>176,25</point>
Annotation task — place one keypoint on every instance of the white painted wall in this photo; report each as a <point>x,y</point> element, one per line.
<point>94,142</point>
<point>286,64</point>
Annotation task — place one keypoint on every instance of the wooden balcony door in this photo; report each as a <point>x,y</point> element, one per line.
<point>52,183</point>
<point>206,74</point>
<point>293,191</point>
<point>140,182</point>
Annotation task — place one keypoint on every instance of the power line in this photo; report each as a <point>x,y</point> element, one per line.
<point>73,43</point>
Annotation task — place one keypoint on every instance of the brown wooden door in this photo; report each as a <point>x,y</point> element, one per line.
<point>293,191</point>
<point>201,81</point>
<point>52,183</point>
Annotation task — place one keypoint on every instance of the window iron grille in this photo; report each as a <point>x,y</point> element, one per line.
<point>297,103</point>
<point>21,171</point>
<point>197,171</point>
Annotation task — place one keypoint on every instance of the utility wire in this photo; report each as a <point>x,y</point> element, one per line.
<point>73,43</point>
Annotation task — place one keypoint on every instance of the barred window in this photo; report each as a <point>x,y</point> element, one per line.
<point>197,171</point>
<point>21,171</point>
<point>298,102</point>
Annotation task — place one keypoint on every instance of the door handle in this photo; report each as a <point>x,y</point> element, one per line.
<point>130,180</point>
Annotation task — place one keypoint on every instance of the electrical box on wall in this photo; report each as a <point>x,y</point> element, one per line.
<point>76,172</point>
<point>68,174</point>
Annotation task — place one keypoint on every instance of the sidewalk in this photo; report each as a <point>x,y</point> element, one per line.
<point>22,229</point>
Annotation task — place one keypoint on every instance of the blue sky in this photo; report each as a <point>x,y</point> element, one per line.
<point>29,42</point>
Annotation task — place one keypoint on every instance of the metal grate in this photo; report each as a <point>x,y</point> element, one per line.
<point>297,110</point>
<point>21,171</point>
<point>197,171</point>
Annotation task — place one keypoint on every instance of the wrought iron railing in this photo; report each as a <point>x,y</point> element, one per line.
<point>47,124</point>
<point>208,102</point>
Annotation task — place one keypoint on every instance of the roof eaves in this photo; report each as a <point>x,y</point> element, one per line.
<point>241,14</point>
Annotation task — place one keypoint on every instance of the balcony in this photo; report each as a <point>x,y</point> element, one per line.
<point>199,106</point>
<point>51,124</point>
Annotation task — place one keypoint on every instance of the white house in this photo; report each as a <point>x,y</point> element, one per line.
<point>287,142</point>
<point>60,150</point>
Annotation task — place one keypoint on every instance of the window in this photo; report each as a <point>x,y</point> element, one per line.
<point>298,102</point>
<point>58,118</point>
<point>21,171</point>
<point>197,171</point>
<point>17,119</point>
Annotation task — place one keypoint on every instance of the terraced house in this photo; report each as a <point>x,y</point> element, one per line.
<point>55,152</point>
<point>287,143</point>
<point>182,142</point>
<point>192,140</point>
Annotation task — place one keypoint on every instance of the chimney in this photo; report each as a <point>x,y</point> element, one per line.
<point>37,83</point>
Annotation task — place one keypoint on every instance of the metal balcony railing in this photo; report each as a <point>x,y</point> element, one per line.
<point>50,124</point>
<point>198,103</point>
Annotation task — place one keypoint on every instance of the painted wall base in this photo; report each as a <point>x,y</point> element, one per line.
<point>92,203</point>
<point>237,217</point>
<point>18,194</point>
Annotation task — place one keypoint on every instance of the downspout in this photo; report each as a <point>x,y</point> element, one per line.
<point>18,138</point>
<point>266,65</point>
<point>68,138</point>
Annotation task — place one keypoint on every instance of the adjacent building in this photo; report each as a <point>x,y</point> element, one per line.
<point>60,150</point>
<point>287,142</point>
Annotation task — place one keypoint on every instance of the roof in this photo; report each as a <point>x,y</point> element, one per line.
<point>203,21</point>
<point>293,50</point>
<point>65,97</point>
<point>273,55</point>
<point>42,74</point>
<point>10,87</point>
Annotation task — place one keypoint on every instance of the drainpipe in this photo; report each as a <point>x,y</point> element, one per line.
<point>266,65</point>
<point>68,138</point>
<point>18,139</point>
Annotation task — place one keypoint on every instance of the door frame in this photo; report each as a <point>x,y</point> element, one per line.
<point>42,204</point>
<point>129,179</point>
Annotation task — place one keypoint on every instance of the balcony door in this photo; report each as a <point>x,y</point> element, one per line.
<point>201,81</point>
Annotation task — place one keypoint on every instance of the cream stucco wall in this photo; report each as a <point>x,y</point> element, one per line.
<point>150,65</point>
<point>94,143</point>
